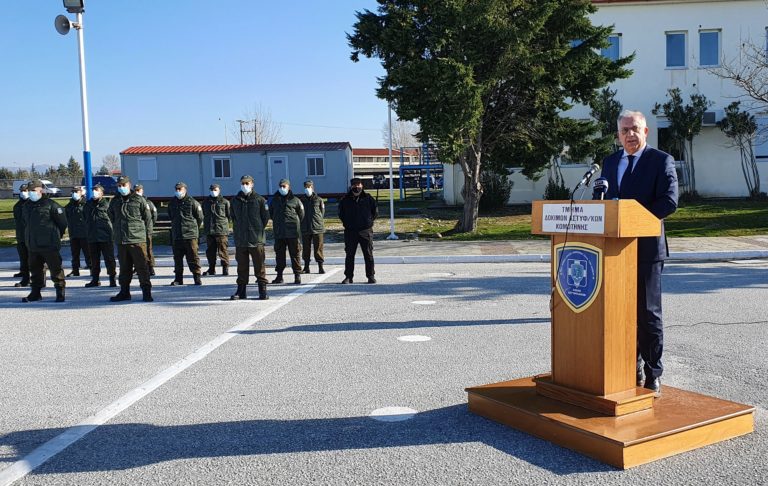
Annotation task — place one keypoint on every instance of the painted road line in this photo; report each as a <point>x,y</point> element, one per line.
<point>43,453</point>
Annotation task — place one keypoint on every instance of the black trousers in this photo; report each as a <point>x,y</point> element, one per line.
<point>293,245</point>
<point>364,239</point>
<point>75,246</point>
<point>133,255</point>
<point>256,254</point>
<point>309,241</point>
<point>105,249</point>
<point>21,248</point>
<point>53,259</point>
<point>216,245</point>
<point>650,329</point>
<point>188,249</point>
<point>150,253</point>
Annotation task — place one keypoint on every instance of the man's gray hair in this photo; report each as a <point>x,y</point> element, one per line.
<point>630,114</point>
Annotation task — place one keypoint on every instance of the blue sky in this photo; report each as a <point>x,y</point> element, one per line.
<point>173,72</point>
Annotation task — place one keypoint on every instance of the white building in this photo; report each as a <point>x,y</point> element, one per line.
<point>676,43</point>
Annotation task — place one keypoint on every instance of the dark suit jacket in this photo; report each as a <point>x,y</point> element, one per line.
<point>653,183</point>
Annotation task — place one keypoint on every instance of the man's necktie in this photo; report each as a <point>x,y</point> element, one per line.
<point>625,177</point>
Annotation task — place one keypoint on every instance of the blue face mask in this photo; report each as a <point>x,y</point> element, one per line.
<point>246,188</point>
<point>179,194</point>
<point>34,196</point>
<point>75,196</point>
<point>123,190</point>
<point>283,191</point>
<point>24,195</point>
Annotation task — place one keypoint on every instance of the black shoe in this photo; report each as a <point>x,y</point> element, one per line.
<point>306,268</point>
<point>151,271</point>
<point>94,283</point>
<point>197,280</point>
<point>177,282</point>
<point>278,279</point>
<point>59,294</point>
<point>654,384</point>
<point>112,281</point>
<point>146,295</point>
<point>239,293</point>
<point>297,279</point>
<point>74,273</point>
<point>225,270</point>
<point>320,268</point>
<point>121,296</point>
<point>24,282</point>
<point>371,280</point>
<point>33,296</point>
<point>263,291</point>
<point>210,271</point>
<point>347,280</point>
<point>640,378</point>
<point>16,275</point>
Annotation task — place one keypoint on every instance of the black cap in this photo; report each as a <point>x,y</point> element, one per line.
<point>180,184</point>
<point>355,180</point>
<point>34,184</point>
<point>246,178</point>
<point>123,180</point>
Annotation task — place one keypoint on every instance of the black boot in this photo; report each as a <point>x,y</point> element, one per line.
<point>297,279</point>
<point>16,275</point>
<point>278,279</point>
<point>112,281</point>
<point>33,296</point>
<point>306,267</point>
<point>179,280</point>
<point>239,293</point>
<point>24,282</point>
<point>74,273</point>
<point>146,294</point>
<point>225,269</point>
<point>59,294</point>
<point>263,291</point>
<point>320,268</point>
<point>197,280</point>
<point>93,283</point>
<point>124,294</point>
<point>151,271</point>
<point>211,270</point>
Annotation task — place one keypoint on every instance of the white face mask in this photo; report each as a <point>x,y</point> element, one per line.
<point>123,190</point>
<point>24,195</point>
<point>97,194</point>
<point>140,193</point>
<point>246,188</point>
<point>283,191</point>
<point>308,191</point>
<point>214,193</point>
<point>35,196</point>
<point>76,196</point>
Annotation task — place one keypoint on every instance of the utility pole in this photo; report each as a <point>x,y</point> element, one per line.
<point>246,130</point>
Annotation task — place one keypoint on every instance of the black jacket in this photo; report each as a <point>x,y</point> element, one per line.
<point>249,218</point>
<point>314,215</point>
<point>45,223</point>
<point>75,211</point>
<point>186,217</point>
<point>130,217</point>
<point>18,218</point>
<point>216,216</point>
<point>358,212</point>
<point>97,221</point>
<point>287,213</point>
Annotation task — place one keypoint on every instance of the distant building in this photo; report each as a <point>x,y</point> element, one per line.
<point>158,168</point>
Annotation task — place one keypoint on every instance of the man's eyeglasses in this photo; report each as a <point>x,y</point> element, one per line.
<point>633,129</point>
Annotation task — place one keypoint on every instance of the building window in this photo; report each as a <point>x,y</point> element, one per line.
<point>709,48</point>
<point>676,49</point>
<point>147,169</point>
<point>221,168</point>
<point>315,165</point>
<point>612,52</point>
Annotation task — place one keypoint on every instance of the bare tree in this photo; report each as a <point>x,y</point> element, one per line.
<point>748,71</point>
<point>257,127</point>
<point>403,134</point>
<point>109,164</point>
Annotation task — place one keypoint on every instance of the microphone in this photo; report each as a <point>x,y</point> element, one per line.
<point>587,176</point>
<point>599,188</point>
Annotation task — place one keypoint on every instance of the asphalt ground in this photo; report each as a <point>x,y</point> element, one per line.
<point>195,389</point>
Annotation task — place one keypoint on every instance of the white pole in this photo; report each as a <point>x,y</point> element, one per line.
<point>392,235</point>
<point>84,106</point>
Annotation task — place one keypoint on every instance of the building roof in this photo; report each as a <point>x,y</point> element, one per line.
<point>195,149</point>
<point>635,1</point>
<point>362,152</point>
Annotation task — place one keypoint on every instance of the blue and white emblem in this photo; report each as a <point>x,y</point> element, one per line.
<point>580,274</point>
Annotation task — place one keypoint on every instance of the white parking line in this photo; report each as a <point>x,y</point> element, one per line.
<point>43,453</point>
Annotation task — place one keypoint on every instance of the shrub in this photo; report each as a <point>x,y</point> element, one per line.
<point>496,190</point>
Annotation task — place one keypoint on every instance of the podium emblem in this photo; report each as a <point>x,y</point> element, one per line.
<point>579,274</point>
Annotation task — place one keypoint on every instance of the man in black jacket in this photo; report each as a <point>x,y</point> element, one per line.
<point>21,245</point>
<point>249,218</point>
<point>186,217</point>
<point>216,216</point>
<point>357,211</point>
<point>78,236</point>
<point>312,226</point>
<point>139,189</point>
<point>100,238</point>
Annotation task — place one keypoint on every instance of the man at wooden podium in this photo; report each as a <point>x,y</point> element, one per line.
<point>647,175</point>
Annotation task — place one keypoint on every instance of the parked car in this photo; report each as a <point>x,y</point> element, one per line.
<point>48,187</point>
<point>109,183</point>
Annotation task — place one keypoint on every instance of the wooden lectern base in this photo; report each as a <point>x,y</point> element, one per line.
<point>679,421</point>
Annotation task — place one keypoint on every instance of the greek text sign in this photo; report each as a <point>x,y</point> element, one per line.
<point>573,218</point>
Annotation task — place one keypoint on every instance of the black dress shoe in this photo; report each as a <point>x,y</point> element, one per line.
<point>371,280</point>
<point>653,384</point>
<point>347,281</point>
<point>640,378</point>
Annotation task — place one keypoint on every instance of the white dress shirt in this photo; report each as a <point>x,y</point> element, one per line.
<point>624,162</point>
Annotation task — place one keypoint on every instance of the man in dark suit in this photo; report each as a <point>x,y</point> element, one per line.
<point>647,175</point>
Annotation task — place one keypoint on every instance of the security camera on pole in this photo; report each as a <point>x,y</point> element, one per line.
<point>63,26</point>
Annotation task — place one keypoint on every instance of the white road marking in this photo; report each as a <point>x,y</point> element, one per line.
<point>423,302</point>
<point>43,453</point>
<point>393,414</point>
<point>441,274</point>
<point>414,338</point>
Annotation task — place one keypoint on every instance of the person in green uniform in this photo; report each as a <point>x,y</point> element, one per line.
<point>186,217</point>
<point>100,237</point>
<point>312,226</point>
<point>286,212</point>
<point>139,189</point>
<point>21,245</point>
<point>216,214</point>
<point>130,215</point>
<point>44,225</point>
<point>78,237</point>
<point>249,218</point>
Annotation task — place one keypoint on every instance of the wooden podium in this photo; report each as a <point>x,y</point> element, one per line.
<point>589,401</point>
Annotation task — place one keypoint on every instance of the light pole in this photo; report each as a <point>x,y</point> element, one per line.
<point>63,25</point>
<point>392,235</point>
